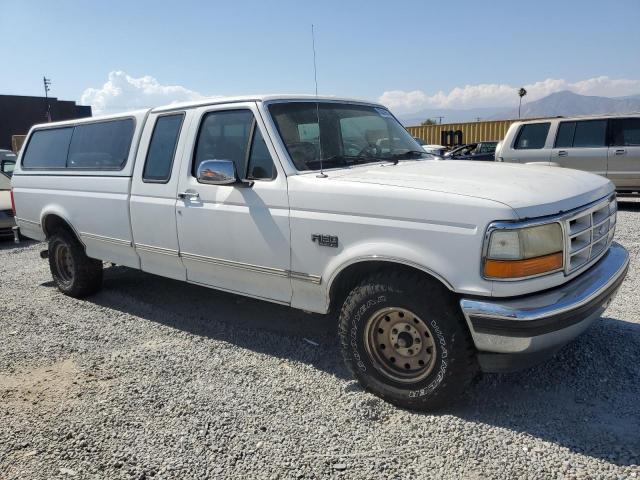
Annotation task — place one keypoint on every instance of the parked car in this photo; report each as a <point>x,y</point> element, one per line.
<point>7,162</point>
<point>436,270</point>
<point>605,145</point>
<point>437,150</point>
<point>7,221</point>
<point>474,151</point>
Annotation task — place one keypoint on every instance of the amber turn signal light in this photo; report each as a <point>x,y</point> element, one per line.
<point>522,268</point>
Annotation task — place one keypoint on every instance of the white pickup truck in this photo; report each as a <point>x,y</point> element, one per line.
<point>435,269</point>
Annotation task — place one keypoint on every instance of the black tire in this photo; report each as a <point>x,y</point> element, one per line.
<point>76,274</point>
<point>449,372</point>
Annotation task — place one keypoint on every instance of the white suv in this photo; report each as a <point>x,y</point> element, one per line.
<point>605,145</point>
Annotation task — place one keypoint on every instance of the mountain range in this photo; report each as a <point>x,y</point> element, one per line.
<point>564,103</point>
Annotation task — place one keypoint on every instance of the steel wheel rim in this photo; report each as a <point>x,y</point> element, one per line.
<point>64,263</point>
<point>400,345</point>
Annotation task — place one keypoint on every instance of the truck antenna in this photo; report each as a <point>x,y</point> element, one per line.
<point>315,78</point>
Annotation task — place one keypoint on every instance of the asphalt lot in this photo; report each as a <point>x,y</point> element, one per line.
<point>153,378</point>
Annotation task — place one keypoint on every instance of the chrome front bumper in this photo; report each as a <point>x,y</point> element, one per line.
<point>544,322</point>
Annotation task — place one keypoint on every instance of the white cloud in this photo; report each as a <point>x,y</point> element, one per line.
<point>123,92</point>
<point>498,95</point>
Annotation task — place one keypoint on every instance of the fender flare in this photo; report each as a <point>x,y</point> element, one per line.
<point>381,251</point>
<point>61,212</point>
<point>391,260</point>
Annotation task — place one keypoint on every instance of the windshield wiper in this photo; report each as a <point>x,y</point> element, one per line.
<point>396,157</point>
<point>337,160</point>
<point>346,160</point>
<point>355,159</point>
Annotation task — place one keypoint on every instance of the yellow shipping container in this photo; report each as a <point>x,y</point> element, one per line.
<point>459,133</point>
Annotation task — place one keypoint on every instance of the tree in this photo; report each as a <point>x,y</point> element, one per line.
<point>428,121</point>
<point>521,93</point>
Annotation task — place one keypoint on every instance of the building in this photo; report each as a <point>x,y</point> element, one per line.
<point>19,113</point>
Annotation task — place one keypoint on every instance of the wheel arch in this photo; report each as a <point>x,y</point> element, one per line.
<point>348,275</point>
<point>55,219</point>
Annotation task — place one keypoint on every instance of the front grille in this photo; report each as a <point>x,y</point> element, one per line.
<point>589,234</point>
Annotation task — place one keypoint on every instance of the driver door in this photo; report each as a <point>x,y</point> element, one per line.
<point>235,237</point>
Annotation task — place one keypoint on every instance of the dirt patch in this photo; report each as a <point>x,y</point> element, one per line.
<point>51,384</point>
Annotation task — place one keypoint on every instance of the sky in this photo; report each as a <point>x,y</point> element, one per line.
<point>410,55</point>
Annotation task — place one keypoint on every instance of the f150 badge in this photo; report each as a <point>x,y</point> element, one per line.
<point>325,240</point>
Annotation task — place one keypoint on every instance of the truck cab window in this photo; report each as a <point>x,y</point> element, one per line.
<point>162,148</point>
<point>260,161</point>
<point>224,136</point>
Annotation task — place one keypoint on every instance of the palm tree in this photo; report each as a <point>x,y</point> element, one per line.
<point>521,93</point>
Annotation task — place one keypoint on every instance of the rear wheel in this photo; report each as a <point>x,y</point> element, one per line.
<point>404,338</point>
<point>75,274</point>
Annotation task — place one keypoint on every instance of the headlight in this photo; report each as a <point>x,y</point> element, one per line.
<point>524,252</point>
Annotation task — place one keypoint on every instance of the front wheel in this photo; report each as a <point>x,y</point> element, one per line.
<point>404,338</point>
<point>74,273</point>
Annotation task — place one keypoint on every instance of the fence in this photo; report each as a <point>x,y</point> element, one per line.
<point>458,133</point>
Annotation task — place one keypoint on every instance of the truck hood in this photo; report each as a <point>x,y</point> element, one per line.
<point>530,190</point>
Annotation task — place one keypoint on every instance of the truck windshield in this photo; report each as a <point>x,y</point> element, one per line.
<point>348,134</point>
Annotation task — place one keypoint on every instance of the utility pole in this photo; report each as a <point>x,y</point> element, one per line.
<point>47,83</point>
<point>439,120</point>
<point>478,119</point>
<point>521,93</point>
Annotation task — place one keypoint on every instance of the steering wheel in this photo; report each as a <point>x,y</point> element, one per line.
<point>370,151</point>
<point>303,153</point>
<point>351,149</point>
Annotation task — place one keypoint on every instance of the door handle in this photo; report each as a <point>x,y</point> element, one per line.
<point>188,195</point>
<point>563,153</point>
<point>620,151</point>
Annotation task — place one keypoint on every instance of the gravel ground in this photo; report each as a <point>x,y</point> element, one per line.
<point>153,378</point>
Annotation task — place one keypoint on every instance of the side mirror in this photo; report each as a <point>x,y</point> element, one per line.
<point>217,172</point>
<point>220,172</point>
<point>7,166</point>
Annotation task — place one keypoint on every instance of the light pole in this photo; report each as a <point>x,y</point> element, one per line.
<point>47,83</point>
<point>521,93</point>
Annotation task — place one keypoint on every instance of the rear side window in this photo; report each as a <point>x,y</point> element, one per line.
<point>532,136</point>
<point>48,148</point>
<point>101,146</point>
<point>88,146</point>
<point>591,133</point>
<point>584,134</point>
<point>162,149</point>
<point>564,138</point>
<point>625,132</point>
